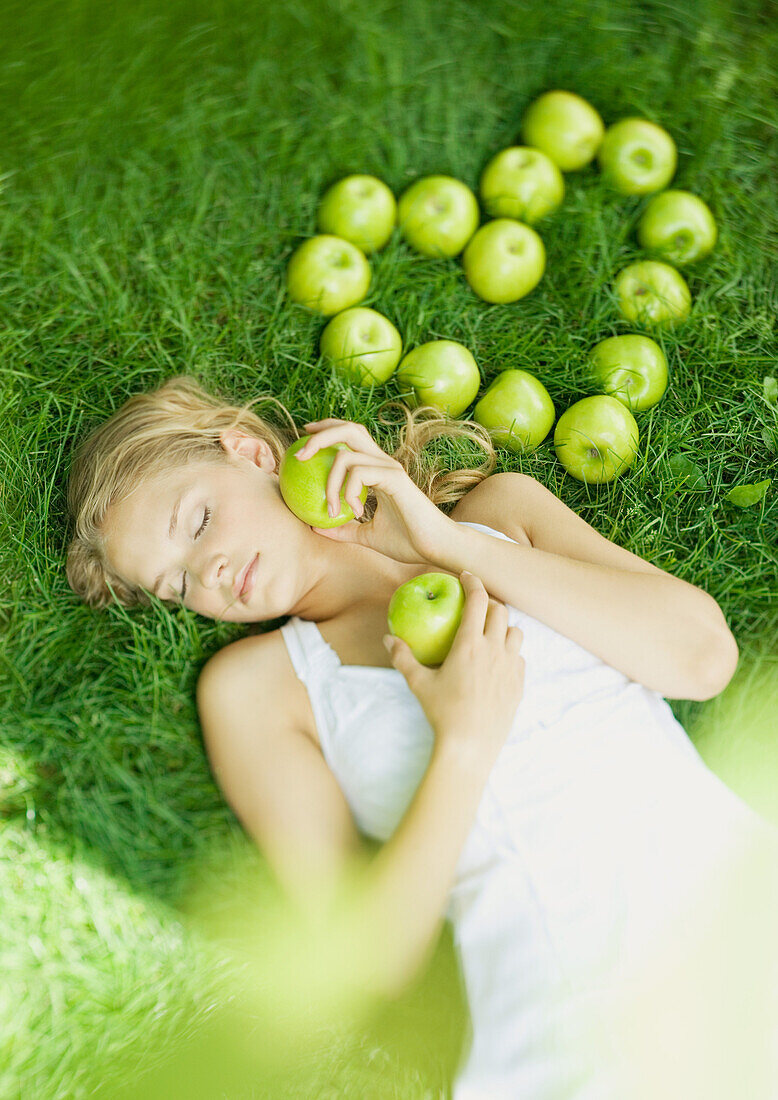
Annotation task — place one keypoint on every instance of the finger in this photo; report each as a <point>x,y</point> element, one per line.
<point>342,431</point>
<point>471,626</point>
<point>496,620</point>
<point>353,489</point>
<point>362,469</point>
<point>402,657</point>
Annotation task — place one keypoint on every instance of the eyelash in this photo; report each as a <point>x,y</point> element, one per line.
<point>204,524</point>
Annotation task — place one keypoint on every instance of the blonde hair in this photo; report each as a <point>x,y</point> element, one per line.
<point>179,424</point>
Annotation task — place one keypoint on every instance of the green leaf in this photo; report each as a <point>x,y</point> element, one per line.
<point>771,389</point>
<point>746,495</point>
<point>684,469</point>
<point>770,438</point>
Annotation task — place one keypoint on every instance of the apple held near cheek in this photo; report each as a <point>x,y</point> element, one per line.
<point>442,373</point>
<point>517,410</point>
<point>637,156</point>
<point>677,226</point>
<point>360,209</point>
<point>631,368</point>
<point>596,439</point>
<point>565,127</point>
<point>504,261</point>
<point>438,215</point>
<point>652,293</point>
<point>327,274</point>
<point>303,485</point>
<point>426,612</point>
<point>362,344</point>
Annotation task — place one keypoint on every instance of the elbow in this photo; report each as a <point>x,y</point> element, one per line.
<point>717,664</point>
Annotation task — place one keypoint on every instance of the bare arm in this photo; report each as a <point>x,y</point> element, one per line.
<point>398,912</point>
<point>662,632</point>
<point>376,919</point>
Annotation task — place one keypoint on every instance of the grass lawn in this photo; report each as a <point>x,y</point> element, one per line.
<point>160,163</point>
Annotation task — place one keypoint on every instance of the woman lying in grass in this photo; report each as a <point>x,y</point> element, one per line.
<point>535,789</point>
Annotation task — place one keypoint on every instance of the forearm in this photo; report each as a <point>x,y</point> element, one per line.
<point>399,907</point>
<point>653,628</point>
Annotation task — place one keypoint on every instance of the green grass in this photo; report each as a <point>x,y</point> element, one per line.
<point>159,165</point>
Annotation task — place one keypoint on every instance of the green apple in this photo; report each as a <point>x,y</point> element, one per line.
<point>303,485</point>
<point>363,345</point>
<point>360,209</point>
<point>522,183</point>
<point>632,369</point>
<point>637,156</point>
<point>596,439</point>
<point>441,373</point>
<point>677,226</point>
<point>517,410</point>
<point>426,612</point>
<point>327,274</point>
<point>565,127</point>
<point>438,215</point>
<point>504,261</point>
<point>652,293</point>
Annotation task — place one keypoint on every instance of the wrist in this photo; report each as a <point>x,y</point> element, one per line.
<point>451,549</point>
<point>461,752</point>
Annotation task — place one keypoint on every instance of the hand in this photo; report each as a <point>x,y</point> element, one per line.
<point>471,699</point>
<point>406,525</point>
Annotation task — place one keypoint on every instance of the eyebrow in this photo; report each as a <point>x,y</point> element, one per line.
<point>170,533</point>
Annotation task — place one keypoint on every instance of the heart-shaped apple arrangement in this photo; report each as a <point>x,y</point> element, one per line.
<point>503,260</point>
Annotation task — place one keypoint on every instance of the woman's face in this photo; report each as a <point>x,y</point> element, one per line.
<point>221,517</point>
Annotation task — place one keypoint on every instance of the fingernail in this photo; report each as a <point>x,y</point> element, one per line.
<point>331,510</point>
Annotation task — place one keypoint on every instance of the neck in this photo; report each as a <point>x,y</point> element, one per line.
<point>354,577</point>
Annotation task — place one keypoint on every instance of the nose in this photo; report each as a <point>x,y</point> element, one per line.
<point>213,572</point>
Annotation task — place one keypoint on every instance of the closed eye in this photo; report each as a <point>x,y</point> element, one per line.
<point>203,525</point>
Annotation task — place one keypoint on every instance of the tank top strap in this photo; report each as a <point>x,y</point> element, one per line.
<point>309,653</point>
<point>484,527</point>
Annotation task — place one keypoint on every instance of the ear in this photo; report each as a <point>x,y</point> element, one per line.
<point>240,444</point>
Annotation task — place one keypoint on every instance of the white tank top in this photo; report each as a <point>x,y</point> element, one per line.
<point>599,831</point>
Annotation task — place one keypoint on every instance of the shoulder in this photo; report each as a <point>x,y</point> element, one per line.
<point>258,661</point>
<point>496,502</point>
<point>256,673</point>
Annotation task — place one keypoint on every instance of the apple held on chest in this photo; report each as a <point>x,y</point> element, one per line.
<point>426,612</point>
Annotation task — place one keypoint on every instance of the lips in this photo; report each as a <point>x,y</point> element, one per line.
<point>245,579</point>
